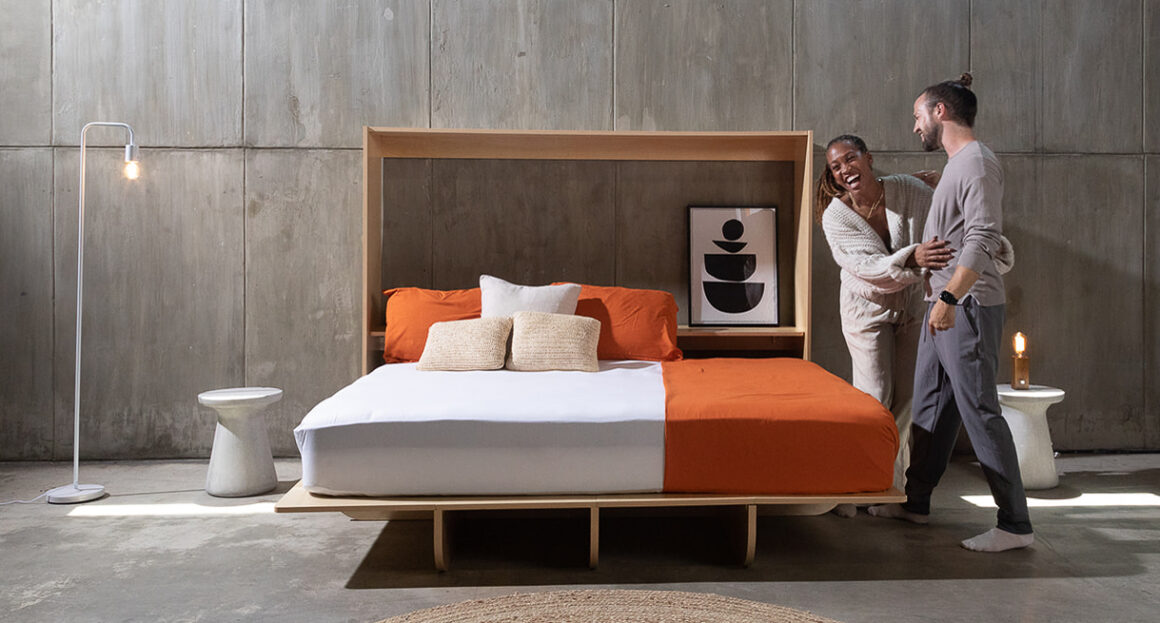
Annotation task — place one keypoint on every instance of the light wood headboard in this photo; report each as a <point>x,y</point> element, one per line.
<point>616,188</point>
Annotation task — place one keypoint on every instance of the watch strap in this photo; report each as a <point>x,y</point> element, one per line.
<point>948,298</point>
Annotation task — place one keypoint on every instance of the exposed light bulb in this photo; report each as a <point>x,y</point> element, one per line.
<point>132,170</point>
<point>1020,343</point>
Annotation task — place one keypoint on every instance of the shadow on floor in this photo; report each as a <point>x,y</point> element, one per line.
<point>634,549</point>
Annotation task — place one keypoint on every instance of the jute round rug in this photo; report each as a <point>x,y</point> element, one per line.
<point>609,606</point>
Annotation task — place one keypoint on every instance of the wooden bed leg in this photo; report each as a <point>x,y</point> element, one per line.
<point>747,545</point>
<point>593,537</point>
<point>442,539</point>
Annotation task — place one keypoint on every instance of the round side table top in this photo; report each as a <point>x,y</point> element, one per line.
<point>235,396</point>
<point>1035,392</point>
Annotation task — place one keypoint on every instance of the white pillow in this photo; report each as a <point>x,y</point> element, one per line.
<point>501,298</point>
<point>543,341</point>
<point>475,344</point>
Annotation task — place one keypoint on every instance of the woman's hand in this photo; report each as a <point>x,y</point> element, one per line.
<point>930,178</point>
<point>933,254</point>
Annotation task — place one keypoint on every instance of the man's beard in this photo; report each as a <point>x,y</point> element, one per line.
<point>932,137</point>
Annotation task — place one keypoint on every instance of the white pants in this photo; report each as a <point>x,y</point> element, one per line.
<point>883,340</point>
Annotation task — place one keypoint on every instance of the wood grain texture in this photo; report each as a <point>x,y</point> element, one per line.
<point>859,66</point>
<point>1092,95</point>
<point>172,70</point>
<point>319,70</point>
<point>26,416</point>
<point>530,222</point>
<point>1006,65</point>
<point>693,65</point>
<point>1070,262</point>
<point>302,286</point>
<point>652,247</point>
<point>522,64</point>
<point>163,312</point>
<point>26,79</point>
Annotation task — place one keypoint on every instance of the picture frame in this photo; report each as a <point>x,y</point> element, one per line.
<point>733,266</point>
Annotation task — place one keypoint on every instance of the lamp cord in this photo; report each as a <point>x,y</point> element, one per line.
<point>32,501</point>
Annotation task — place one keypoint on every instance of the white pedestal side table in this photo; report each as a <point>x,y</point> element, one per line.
<point>1026,413</point>
<point>240,463</point>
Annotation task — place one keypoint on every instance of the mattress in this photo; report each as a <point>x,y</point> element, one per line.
<point>400,431</point>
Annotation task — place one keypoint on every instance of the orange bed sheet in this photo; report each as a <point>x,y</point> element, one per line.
<point>772,426</point>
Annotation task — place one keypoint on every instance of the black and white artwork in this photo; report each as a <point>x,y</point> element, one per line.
<point>733,265</point>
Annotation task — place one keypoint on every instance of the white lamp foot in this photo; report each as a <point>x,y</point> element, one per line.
<point>75,494</point>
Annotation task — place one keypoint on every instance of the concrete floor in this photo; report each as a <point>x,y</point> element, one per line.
<point>160,549</point>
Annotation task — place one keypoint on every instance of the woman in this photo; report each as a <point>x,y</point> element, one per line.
<point>874,227</point>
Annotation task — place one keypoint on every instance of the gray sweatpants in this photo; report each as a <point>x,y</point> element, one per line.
<point>954,386</point>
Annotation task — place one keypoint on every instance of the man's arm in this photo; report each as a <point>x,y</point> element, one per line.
<point>942,316</point>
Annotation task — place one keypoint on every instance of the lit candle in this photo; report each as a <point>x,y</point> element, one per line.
<point>1020,364</point>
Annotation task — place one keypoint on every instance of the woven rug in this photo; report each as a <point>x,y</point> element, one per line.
<point>609,606</point>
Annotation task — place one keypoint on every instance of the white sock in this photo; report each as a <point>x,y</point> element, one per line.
<point>996,540</point>
<point>845,510</point>
<point>895,511</point>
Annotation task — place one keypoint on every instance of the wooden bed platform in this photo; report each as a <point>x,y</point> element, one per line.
<point>442,509</point>
<point>399,183</point>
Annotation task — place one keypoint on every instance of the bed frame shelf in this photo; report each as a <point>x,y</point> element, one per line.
<point>441,510</point>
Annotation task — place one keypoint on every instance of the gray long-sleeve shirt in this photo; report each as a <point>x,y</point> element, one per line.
<point>967,211</point>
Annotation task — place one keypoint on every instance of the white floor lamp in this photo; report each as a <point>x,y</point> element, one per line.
<point>76,492</point>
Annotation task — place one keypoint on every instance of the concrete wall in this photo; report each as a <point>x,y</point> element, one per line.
<point>234,260</point>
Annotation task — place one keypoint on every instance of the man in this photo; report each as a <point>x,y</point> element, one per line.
<point>958,352</point>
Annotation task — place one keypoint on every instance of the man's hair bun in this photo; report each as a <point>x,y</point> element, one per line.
<point>965,80</point>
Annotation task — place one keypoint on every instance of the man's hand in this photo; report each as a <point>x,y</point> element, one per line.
<point>942,317</point>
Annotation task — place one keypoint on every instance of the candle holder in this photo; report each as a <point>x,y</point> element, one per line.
<point>1020,364</point>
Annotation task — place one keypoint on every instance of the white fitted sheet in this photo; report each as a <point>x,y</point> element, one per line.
<point>400,431</point>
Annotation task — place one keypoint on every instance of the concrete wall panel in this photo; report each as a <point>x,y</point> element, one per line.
<point>691,65</point>
<point>1151,335</point>
<point>172,70</point>
<point>527,64</point>
<point>163,307</point>
<point>652,235</point>
<point>859,66</point>
<point>318,71</point>
<point>1092,66</point>
<point>26,430</point>
<point>1151,82</point>
<point>1006,65</point>
<point>1078,244</point>
<point>530,223</point>
<point>26,79</point>
<point>303,298</point>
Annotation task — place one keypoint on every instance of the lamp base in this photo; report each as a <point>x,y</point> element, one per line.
<point>75,494</point>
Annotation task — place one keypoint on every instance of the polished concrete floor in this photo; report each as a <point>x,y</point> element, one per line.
<point>159,549</point>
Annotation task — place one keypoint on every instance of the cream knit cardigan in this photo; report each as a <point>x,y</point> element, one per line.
<point>869,268</point>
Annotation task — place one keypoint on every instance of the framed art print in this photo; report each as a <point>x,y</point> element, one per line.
<point>733,265</point>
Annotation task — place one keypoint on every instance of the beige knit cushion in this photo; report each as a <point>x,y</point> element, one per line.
<point>477,344</point>
<point>543,341</point>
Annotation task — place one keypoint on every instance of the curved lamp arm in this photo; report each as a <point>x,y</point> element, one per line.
<point>131,155</point>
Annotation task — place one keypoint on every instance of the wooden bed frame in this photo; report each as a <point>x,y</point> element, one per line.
<point>782,147</point>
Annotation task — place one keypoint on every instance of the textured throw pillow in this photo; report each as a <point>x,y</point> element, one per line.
<point>410,311</point>
<point>542,341</point>
<point>478,344</point>
<point>501,298</point>
<point>634,323</point>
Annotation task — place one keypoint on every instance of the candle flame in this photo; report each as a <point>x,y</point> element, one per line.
<point>1020,343</point>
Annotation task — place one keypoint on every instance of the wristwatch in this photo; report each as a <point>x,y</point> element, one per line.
<point>948,298</point>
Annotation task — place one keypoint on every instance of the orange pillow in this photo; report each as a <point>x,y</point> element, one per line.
<point>634,323</point>
<point>411,311</point>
